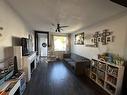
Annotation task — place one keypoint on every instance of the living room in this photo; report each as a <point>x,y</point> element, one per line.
<point>69,47</point>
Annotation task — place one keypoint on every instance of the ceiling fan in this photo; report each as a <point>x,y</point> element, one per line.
<point>59,27</point>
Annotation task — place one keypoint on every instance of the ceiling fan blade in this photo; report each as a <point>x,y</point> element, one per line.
<point>56,30</point>
<point>53,24</point>
<point>63,26</point>
<point>58,27</point>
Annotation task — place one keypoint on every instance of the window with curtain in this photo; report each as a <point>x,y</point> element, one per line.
<point>60,43</point>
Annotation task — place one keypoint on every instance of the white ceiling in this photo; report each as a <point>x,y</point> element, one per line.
<point>78,14</point>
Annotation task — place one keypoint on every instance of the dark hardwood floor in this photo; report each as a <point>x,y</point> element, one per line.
<point>56,79</point>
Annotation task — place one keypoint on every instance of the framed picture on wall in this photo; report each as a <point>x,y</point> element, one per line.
<point>79,39</point>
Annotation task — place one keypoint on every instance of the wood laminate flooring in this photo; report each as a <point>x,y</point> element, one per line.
<point>56,79</point>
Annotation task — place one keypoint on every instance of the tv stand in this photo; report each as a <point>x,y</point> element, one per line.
<point>29,64</point>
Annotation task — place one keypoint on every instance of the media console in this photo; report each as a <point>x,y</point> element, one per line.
<point>29,64</point>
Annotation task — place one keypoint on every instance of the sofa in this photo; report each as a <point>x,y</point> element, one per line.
<point>76,63</point>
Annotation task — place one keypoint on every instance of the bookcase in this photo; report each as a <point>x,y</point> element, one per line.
<point>108,76</point>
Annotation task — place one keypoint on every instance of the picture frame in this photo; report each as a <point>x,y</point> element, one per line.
<point>79,39</point>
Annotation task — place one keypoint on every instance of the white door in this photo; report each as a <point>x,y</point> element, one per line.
<point>42,38</point>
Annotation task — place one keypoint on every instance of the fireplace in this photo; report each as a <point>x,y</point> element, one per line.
<point>32,66</point>
<point>29,64</point>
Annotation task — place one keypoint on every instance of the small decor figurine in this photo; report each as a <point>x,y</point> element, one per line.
<point>118,60</point>
<point>111,58</point>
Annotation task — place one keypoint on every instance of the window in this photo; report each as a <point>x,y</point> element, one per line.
<point>60,43</point>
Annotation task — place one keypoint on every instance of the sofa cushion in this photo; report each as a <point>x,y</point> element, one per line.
<point>67,55</point>
<point>72,63</point>
<point>68,59</point>
<point>77,63</point>
<point>77,57</point>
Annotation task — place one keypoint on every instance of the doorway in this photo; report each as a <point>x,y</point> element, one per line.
<point>41,43</point>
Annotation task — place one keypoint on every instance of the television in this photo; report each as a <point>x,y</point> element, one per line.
<point>26,46</point>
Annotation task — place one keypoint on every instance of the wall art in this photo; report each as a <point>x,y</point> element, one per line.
<point>104,38</point>
<point>79,39</point>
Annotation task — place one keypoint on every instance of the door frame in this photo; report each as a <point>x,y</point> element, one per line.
<point>36,38</point>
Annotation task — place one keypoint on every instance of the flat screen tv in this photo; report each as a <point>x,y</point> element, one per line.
<point>26,46</point>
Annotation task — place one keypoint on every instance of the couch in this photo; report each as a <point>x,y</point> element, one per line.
<point>78,64</point>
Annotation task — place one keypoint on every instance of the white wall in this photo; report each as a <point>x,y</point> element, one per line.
<point>125,51</point>
<point>13,26</point>
<point>117,24</point>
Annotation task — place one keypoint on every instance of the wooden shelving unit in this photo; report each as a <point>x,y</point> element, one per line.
<point>108,76</point>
